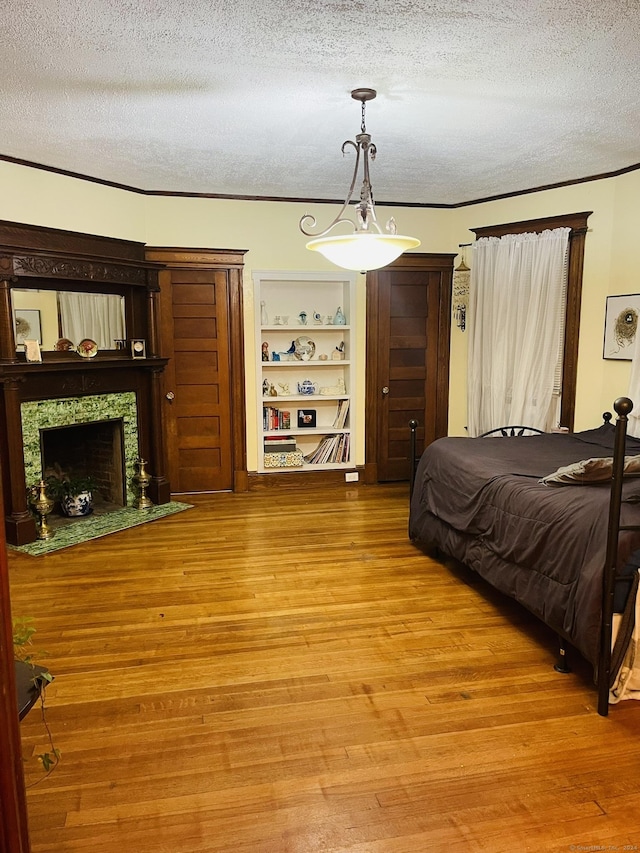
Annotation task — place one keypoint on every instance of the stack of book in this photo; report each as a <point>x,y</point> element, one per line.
<point>332,448</point>
<point>273,418</point>
<point>279,444</point>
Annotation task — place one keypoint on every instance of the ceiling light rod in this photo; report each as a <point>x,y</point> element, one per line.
<point>365,210</point>
<point>368,247</point>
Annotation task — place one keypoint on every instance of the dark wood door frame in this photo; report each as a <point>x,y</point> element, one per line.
<point>436,423</point>
<point>577,222</point>
<point>14,835</point>
<point>231,262</point>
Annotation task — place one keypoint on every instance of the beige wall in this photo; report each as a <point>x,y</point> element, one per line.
<point>37,197</point>
<point>269,231</point>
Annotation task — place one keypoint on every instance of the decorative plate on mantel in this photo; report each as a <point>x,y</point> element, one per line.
<point>65,345</point>
<point>87,348</point>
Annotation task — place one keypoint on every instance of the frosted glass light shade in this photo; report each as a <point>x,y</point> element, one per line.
<point>363,251</point>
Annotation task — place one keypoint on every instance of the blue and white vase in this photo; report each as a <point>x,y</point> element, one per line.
<point>75,506</point>
<point>339,319</point>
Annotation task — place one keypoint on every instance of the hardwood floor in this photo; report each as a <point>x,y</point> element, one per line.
<point>283,672</point>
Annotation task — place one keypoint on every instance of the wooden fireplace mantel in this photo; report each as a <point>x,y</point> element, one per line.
<point>49,259</point>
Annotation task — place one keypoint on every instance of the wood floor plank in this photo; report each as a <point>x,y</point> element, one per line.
<point>286,673</point>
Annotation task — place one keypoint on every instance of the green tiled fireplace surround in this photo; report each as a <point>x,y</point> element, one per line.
<point>68,411</point>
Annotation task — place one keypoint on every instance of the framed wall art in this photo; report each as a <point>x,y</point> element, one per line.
<point>621,326</point>
<point>27,326</point>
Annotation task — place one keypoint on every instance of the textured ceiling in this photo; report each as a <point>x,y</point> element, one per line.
<point>476,98</point>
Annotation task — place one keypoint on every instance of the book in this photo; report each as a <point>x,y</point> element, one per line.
<point>279,444</point>
<point>290,447</point>
<point>341,414</point>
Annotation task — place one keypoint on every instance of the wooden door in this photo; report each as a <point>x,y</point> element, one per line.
<point>201,323</point>
<point>408,333</point>
<point>14,832</point>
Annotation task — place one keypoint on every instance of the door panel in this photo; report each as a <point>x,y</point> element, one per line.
<point>193,327</point>
<point>408,327</point>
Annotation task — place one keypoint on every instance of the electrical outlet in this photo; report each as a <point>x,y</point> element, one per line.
<point>351,477</point>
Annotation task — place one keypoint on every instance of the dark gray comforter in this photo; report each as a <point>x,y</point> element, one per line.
<point>479,501</point>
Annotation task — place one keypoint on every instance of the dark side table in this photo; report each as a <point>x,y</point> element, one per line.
<point>27,686</point>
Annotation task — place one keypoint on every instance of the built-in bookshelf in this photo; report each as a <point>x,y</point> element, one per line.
<point>305,343</point>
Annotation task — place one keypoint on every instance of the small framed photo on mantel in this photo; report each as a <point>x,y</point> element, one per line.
<point>138,348</point>
<point>32,350</point>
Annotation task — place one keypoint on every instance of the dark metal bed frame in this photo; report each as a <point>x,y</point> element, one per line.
<point>622,407</point>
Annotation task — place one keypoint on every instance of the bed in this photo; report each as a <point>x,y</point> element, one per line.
<point>551,520</point>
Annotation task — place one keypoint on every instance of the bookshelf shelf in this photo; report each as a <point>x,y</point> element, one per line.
<point>313,364</point>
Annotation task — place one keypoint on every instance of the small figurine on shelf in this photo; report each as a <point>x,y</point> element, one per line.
<point>317,318</point>
<point>264,317</point>
<point>272,390</point>
<point>307,387</point>
<point>284,387</point>
<point>337,390</point>
<point>265,387</point>
<point>265,351</point>
<point>302,318</point>
<point>338,353</point>
<point>339,319</point>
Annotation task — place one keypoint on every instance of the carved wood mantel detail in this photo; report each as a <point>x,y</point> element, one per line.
<point>43,266</point>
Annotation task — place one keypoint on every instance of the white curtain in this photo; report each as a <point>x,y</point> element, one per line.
<point>516,329</point>
<point>633,427</point>
<point>98,316</point>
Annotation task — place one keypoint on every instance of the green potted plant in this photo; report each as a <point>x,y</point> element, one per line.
<point>74,492</point>
<point>31,682</point>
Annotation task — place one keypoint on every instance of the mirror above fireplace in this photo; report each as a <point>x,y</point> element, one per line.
<point>49,316</point>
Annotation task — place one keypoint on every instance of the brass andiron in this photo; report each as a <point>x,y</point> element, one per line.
<point>42,506</point>
<point>141,480</point>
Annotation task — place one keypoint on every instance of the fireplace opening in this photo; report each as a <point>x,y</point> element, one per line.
<point>94,449</point>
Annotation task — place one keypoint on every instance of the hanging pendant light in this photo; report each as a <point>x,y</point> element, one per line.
<point>368,248</point>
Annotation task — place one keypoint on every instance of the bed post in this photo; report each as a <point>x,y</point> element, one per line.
<point>623,407</point>
<point>562,664</point>
<point>413,425</point>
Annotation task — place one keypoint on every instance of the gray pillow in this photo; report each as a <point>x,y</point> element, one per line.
<point>596,470</point>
